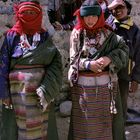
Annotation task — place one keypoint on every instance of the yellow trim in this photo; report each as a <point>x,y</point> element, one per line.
<point>126,24</point>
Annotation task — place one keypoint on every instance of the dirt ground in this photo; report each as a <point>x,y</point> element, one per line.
<point>133,132</point>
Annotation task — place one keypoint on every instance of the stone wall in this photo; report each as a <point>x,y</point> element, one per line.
<point>136,11</point>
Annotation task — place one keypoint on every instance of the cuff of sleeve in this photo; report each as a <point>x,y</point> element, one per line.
<point>87,65</point>
<point>47,97</point>
<point>84,64</point>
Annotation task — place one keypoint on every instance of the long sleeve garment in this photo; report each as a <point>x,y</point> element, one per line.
<point>46,54</point>
<point>131,34</point>
<point>112,46</point>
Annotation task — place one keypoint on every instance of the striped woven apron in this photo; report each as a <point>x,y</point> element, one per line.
<point>91,117</point>
<point>31,121</point>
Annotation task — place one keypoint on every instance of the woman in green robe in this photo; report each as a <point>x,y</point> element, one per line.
<point>31,75</point>
<point>96,55</point>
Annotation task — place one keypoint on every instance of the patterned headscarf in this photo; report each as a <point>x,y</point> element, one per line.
<point>28,23</point>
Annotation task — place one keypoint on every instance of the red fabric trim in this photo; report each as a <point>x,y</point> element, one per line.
<point>28,66</point>
<point>93,74</point>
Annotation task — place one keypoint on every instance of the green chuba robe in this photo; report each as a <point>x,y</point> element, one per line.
<point>115,48</point>
<point>47,55</point>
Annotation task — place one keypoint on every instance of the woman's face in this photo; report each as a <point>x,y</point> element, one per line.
<point>90,21</point>
<point>29,15</point>
<point>120,12</point>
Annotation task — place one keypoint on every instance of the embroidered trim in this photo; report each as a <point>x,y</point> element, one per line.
<point>24,46</point>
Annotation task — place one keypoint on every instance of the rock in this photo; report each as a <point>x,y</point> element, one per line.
<point>65,108</point>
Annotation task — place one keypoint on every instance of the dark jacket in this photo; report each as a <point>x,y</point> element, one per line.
<point>131,34</point>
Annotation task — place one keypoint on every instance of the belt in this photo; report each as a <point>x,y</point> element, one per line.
<point>94,81</point>
<point>28,66</point>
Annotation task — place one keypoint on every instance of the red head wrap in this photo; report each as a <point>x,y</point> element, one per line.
<point>81,24</point>
<point>28,23</point>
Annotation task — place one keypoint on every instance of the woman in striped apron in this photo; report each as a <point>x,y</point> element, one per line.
<point>96,55</point>
<point>31,68</point>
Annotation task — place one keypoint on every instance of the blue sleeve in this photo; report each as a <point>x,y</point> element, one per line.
<point>4,70</point>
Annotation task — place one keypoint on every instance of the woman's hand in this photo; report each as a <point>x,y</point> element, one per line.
<point>42,101</point>
<point>7,103</point>
<point>104,61</point>
<point>99,64</point>
<point>95,66</point>
<point>133,87</point>
<point>57,26</point>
